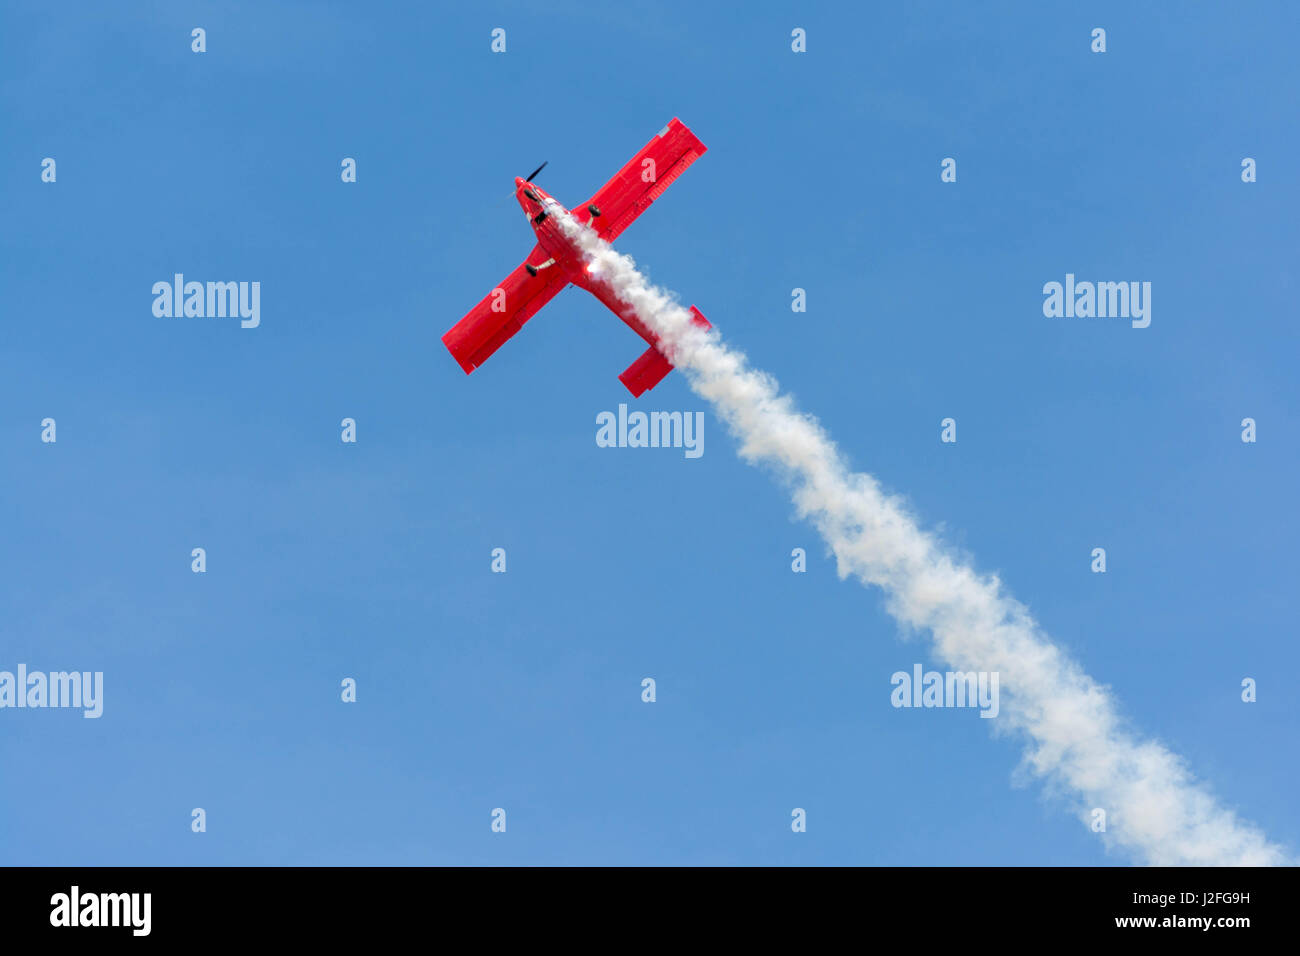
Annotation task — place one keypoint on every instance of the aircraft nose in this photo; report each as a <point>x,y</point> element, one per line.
<point>519,181</point>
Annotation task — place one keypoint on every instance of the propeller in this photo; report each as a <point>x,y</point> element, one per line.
<point>529,179</point>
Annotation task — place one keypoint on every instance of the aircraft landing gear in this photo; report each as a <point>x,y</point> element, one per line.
<point>594,211</point>
<point>533,270</point>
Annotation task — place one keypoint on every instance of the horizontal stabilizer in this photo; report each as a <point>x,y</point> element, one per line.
<point>646,372</point>
<point>649,370</point>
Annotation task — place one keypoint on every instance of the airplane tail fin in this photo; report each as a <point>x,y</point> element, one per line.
<point>649,370</point>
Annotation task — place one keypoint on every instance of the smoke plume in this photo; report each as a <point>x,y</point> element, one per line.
<point>1074,737</point>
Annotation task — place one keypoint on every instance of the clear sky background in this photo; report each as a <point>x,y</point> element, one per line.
<point>522,690</point>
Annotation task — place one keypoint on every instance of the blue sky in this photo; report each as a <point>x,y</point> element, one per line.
<point>522,690</point>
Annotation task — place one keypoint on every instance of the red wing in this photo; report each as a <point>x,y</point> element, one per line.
<point>502,312</point>
<point>638,184</point>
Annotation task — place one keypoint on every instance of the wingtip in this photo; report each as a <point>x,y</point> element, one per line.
<point>628,385</point>
<point>465,364</point>
<point>698,318</point>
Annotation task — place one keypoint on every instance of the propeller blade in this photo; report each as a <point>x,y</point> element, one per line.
<point>529,177</point>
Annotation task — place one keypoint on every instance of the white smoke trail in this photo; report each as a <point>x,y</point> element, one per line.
<point>1075,737</point>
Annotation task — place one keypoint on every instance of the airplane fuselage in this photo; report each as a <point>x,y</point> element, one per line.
<point>541,209</point>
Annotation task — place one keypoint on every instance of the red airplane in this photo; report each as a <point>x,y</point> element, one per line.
<point>556,261</point>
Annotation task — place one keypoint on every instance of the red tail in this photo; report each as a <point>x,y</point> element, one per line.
<point>649,370</point>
